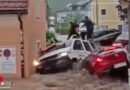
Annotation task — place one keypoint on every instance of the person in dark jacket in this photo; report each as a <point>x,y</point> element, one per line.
<point>73,27</point>
<point>90,27</point>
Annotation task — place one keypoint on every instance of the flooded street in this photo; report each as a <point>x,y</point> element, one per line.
<point>70,80</point>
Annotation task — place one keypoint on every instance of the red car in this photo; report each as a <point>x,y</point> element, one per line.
<point>102,62</point>
<point>120,43</point>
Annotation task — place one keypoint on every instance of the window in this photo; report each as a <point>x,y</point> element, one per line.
<point>103,11</point>
<point>68,43</point>
<point>119,27</point>
<point>87,46</point>
<point>78,45</point>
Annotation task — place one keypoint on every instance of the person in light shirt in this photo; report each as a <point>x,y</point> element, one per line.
<point>83,30</point>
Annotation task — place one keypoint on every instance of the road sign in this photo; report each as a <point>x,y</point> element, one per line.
<point>7,60</point>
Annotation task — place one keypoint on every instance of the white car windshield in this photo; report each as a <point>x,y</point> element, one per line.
<point>65,44</point>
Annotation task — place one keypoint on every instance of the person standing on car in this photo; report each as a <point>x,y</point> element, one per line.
<point>90,27</point>
<point>73,29</point>
<point>83,30</point>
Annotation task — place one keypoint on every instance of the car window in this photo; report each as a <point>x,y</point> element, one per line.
<point>87,46</point>
<point>78,45</point>
<point>64,44</point>
<point>96,46</point>
<point>68,43</point>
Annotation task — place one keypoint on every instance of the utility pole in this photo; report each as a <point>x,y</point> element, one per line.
<point>96,13</point>
<point>129,43</point>
<point>129,28</point>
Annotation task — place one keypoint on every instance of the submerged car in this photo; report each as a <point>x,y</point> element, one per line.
<point>104,61</point>
<point>64,54</point>
<point>106,37</point>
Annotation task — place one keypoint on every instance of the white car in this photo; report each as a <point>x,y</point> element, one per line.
<point>64,54</point>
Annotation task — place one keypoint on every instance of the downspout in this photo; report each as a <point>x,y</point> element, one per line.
<point>22,45</point>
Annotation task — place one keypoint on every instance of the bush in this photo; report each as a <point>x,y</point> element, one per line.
<point>50,37</point>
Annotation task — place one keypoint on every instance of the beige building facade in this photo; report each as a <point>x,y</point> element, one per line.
<point>34,26</point>
<point>105,14</point>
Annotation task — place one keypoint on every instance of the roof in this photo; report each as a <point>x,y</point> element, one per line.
<point>13,6</point>
<point>77,3</point>
<point>82,2</point>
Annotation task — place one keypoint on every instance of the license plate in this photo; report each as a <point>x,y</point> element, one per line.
<point>120,65</point>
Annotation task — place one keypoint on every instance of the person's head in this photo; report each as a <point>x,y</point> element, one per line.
<point>86,17</point>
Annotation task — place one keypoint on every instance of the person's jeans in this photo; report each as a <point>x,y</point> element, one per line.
<point>83,35</point>
<point>89,34</point>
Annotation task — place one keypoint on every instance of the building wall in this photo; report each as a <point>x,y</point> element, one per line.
<point>34,26</point>
<point>111,18</point>
<point>10,36</point>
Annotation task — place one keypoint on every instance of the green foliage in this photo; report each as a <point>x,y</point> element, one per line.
<point>50,37</point>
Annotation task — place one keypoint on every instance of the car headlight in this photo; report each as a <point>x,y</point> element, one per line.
<point>63,54</point>
<point>35,63</point>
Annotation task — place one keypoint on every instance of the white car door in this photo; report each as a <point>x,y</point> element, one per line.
<point>88,48</point>
<point>77,50</point>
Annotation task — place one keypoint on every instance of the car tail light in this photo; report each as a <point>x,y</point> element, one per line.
<point>99,59</point>
<point>117,45</point>
<point>109,48</point>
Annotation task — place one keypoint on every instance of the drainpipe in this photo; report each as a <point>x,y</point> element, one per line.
<point>22,45</point>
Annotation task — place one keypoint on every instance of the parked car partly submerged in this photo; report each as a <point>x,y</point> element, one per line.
<point>104,61</point>
<point>64,54</point>
<point>106,37</point>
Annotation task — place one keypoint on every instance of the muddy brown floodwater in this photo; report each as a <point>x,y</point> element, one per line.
<point>70,80</point>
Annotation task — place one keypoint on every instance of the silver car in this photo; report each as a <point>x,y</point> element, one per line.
<point>64,54</point>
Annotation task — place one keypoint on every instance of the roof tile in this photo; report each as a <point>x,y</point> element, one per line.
<point>13,6</point>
